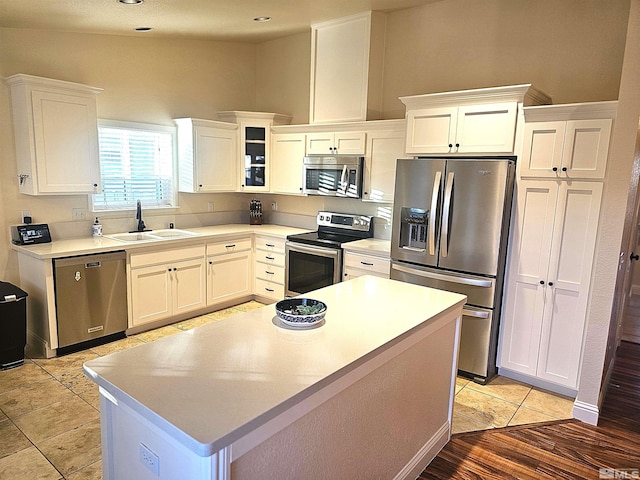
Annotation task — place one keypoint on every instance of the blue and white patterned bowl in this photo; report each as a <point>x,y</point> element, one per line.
<point>287,312</point>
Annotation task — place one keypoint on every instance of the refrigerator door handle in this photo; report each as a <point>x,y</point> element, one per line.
<point>474,313</point>
<point>447,278</point>
<point>446,214</point>
<point>432,213</point>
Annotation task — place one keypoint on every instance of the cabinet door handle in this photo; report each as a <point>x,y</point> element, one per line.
<point>210,263</point>
<point>634,256</point>
<point>451,145</point>
<point>555,169</point>
<point>366,263</point>
<point>551,284</point>
<point>564,169</point>
<point>457,145</point>
<point>541,282</point>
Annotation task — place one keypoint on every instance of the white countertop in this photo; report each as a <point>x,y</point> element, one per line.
<point>210,386</point>
<point>88,245</point>
<point>370,246</point>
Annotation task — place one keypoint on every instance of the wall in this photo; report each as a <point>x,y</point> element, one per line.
<point>144,79</point>
<point>572,50</point>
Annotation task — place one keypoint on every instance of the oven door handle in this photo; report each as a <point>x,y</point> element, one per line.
<point>325,252</point>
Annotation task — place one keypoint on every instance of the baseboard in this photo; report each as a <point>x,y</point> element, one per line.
<point>586,412</point>
<point>425,455</point>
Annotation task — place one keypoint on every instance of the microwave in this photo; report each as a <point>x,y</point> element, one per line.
<point>333,175</point>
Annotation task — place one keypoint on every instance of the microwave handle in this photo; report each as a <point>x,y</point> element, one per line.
<point>343,179</point>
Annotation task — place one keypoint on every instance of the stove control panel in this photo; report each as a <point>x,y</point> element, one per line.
<point>345,220</point>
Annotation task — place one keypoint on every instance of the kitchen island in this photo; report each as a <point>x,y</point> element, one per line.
<point>368,393</point>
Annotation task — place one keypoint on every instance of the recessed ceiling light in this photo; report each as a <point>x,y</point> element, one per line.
<point>262,19</point>
<point>131,2</point>
<point>143,29</point>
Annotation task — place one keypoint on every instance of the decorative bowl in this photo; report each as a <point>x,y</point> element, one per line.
<point>300,312</point>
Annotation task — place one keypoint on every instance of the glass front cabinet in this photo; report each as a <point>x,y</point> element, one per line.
<point>254,146</point>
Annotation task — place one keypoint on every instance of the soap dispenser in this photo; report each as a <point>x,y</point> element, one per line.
<point>96,228</point>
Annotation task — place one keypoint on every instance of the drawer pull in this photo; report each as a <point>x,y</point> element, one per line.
<point>270,245</point>
<point>270,258</point>
<point>269,289</point>
<point>269,273</point>
<point>366,263</point>
<point>230,246</point>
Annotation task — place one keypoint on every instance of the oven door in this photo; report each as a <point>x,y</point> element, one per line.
<point>309,267</point>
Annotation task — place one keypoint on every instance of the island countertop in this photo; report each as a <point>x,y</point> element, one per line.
<point>210,386</point>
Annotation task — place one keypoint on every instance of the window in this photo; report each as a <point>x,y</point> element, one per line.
<point>136,163</point>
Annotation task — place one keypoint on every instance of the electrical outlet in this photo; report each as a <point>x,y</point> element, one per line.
<point>149,460</point>
<point>209,206</point>
<point>25,213</point>
<point>79,214</point>
<point>274,206</point>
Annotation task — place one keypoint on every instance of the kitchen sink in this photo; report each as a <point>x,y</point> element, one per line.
<point>164,234</point>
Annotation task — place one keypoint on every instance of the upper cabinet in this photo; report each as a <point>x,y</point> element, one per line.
<point>56,135</point>
<point>385,144</point>
<point>254,146</point>
<point>287,152</point>
<point>207,155</point>
<point>567,141</point>
<point>330,143</point>
<point>346,68</point>
<point>470,121</point>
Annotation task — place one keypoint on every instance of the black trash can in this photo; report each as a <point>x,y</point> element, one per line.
<point>13,325</point>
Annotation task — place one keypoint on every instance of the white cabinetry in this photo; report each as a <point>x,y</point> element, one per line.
<point>166,283</point>
<point>549,276</point>
<point>254,146</point>
<point>287,153</point>
<point>358,264</point>
<point>384,147</point>
<point>347,57</point>
<point>470,121</point>
<point>208,155</point>
<point>269,268</point>
<point>567,141</point>
<point>228,270</point>
<point>330,143</point>
<point>56,135</point>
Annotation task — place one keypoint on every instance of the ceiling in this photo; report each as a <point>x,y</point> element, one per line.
<point>230,20</point>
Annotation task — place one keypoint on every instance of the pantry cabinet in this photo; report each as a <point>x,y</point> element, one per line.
<point>287,154</point>
<point>573,146</point>
<point>228,270</point>
<point>334,143</point>
<point>547,289</point>
<point>56,136</point>
<point>166,283</point>
<point>207,155</point>
<point>254,147</point>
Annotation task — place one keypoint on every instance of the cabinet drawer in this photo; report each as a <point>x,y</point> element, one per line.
<point>270,258</point>
<point>270,244</point>
<point>368,263</point>
<point>270,272</point>
<point>229,246</point>
<point>269,289</point>
<point>166,256</point>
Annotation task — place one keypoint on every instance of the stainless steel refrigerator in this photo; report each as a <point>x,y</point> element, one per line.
<point>450,230</point>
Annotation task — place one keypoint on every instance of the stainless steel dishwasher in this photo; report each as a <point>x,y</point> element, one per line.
<point>91,299</point>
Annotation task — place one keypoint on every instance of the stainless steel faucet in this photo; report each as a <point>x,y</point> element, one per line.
<point>141,225</point>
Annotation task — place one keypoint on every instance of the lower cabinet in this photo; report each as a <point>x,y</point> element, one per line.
<point>269,268</point>
<point>358,264</point>
<point>166,283</point>
<point>548,279</point>
<point>228,270</point>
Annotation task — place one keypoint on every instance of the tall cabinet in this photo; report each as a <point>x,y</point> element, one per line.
<point>559,190</point>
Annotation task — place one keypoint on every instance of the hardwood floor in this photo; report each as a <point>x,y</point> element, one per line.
<point>567,449</point>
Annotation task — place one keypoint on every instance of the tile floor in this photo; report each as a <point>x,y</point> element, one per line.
<point>50,419</point>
